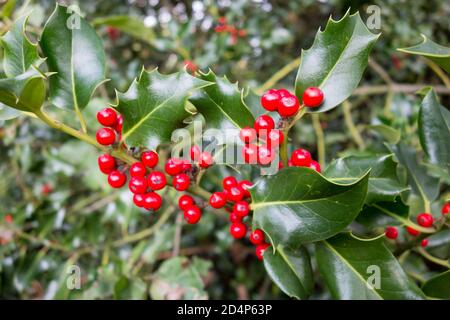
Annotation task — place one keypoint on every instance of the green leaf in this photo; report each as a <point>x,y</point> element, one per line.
<point>291,270</point>
<point>299,205</point>
<point>350,269</point>
<point>154,106</point>
<point>180,278</point>
<point>431,50</point>
<point>131,25</point>
<point>438,286</point>
<point>7,113</point>
<point>422,184</point>
<point>221,104</point>
<point>75,52</point>
<point>19,53</point>
<point>336,61</point>
<point>434,133</point>
<point>25,92</point>
<point>390,134</point>
<point>381,214</point>
<point>384,184</point>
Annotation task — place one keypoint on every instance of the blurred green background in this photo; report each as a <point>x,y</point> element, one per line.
<point>57,210</point>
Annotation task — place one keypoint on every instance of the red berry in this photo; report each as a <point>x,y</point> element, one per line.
<point>174,166</point>
<point>152,201</point>
<point>117,179</point>
<point>265,155</point>
<point>234,217</point>
<point>138,169</point>
<point>314,165</point>
<point>106,163</point>
<point>106,136</point>
<point>238,230</point>
<point>283,93</point>
<point>260,250</point>
<point>192,214</point>
<point>445,209</point>
<point>235,194</point>
<point>186,165</point>
<point>412,231</point>
<point>107,117</point>
<point>119,124</point>
<point>194,153</point>
<point>241,208</point>
<point>205,160</point>
<point>156,180</point>
<point>312,97</point>
<point>185,201</point>
<point>229,182</point>
<point>425,220</point>
<point>218,200</point>
<point>274,138</point>
<point>247,134</point>
<point>391,232</point>
<point>270,100</point>
<point>289,106</point>
<point>263,124</point>
<point>245,184</point>
<point>250,153</point>
<point>301,158</point>
<point>9,218</point>
<point>138,184</point>
<point>46,189</point>
<point>257,237</point>
<point>181,182</point>
<point>150,159</point>
<point>138,200</point>
<point>424,243</point>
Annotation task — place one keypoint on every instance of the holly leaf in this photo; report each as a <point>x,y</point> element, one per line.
<point>422,184</point>
<point>431,50</point>
<point>384,184</point>
<point>388,133</point>
<point>75,52</point>
<point>434,132</point>
<point>131,25</point>
<point>7,113</point>
<point>154,106</point>
<point>291,270</point>
<point>19,52</point>
<point>336,61</point>
<point>25,92</point>
<point>357,269</point>
<point>438,286</point>
<point>299,205</point>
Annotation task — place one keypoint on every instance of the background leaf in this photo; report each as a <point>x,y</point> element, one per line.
<point>434,132</point>
<point>299,205</point>
<point>75,52</point>
<point>291,270</point>
<point>154,106</point>
<point>384,184</point>
<point>343,262</point>
<point>431,50</point>
<point>438,286</point>
<point>336,61</point>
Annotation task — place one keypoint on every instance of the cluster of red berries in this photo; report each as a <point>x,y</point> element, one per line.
<point>302,158</point>
<point>423,219</point>
<point>112,130</point>
<point>224,27</point>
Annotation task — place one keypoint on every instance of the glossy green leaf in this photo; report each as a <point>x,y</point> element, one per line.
<point>431,50</point>
<point>439,244</point>
<point>7,113</point>
<point>438,286</point>
<point>299,205</point>
<point>381,214</point>
<point>291,270</point>
<point>356,269</point>
<point>336,61</point>
<point>75,52</point>
<point>19,53</point>
<point>384,184</point>
<point>389,134</point>
<point>421,182</point>
<point>128,24</point>
<point>25,92</point>
<point>434,132</point>
<point>154,106</point>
